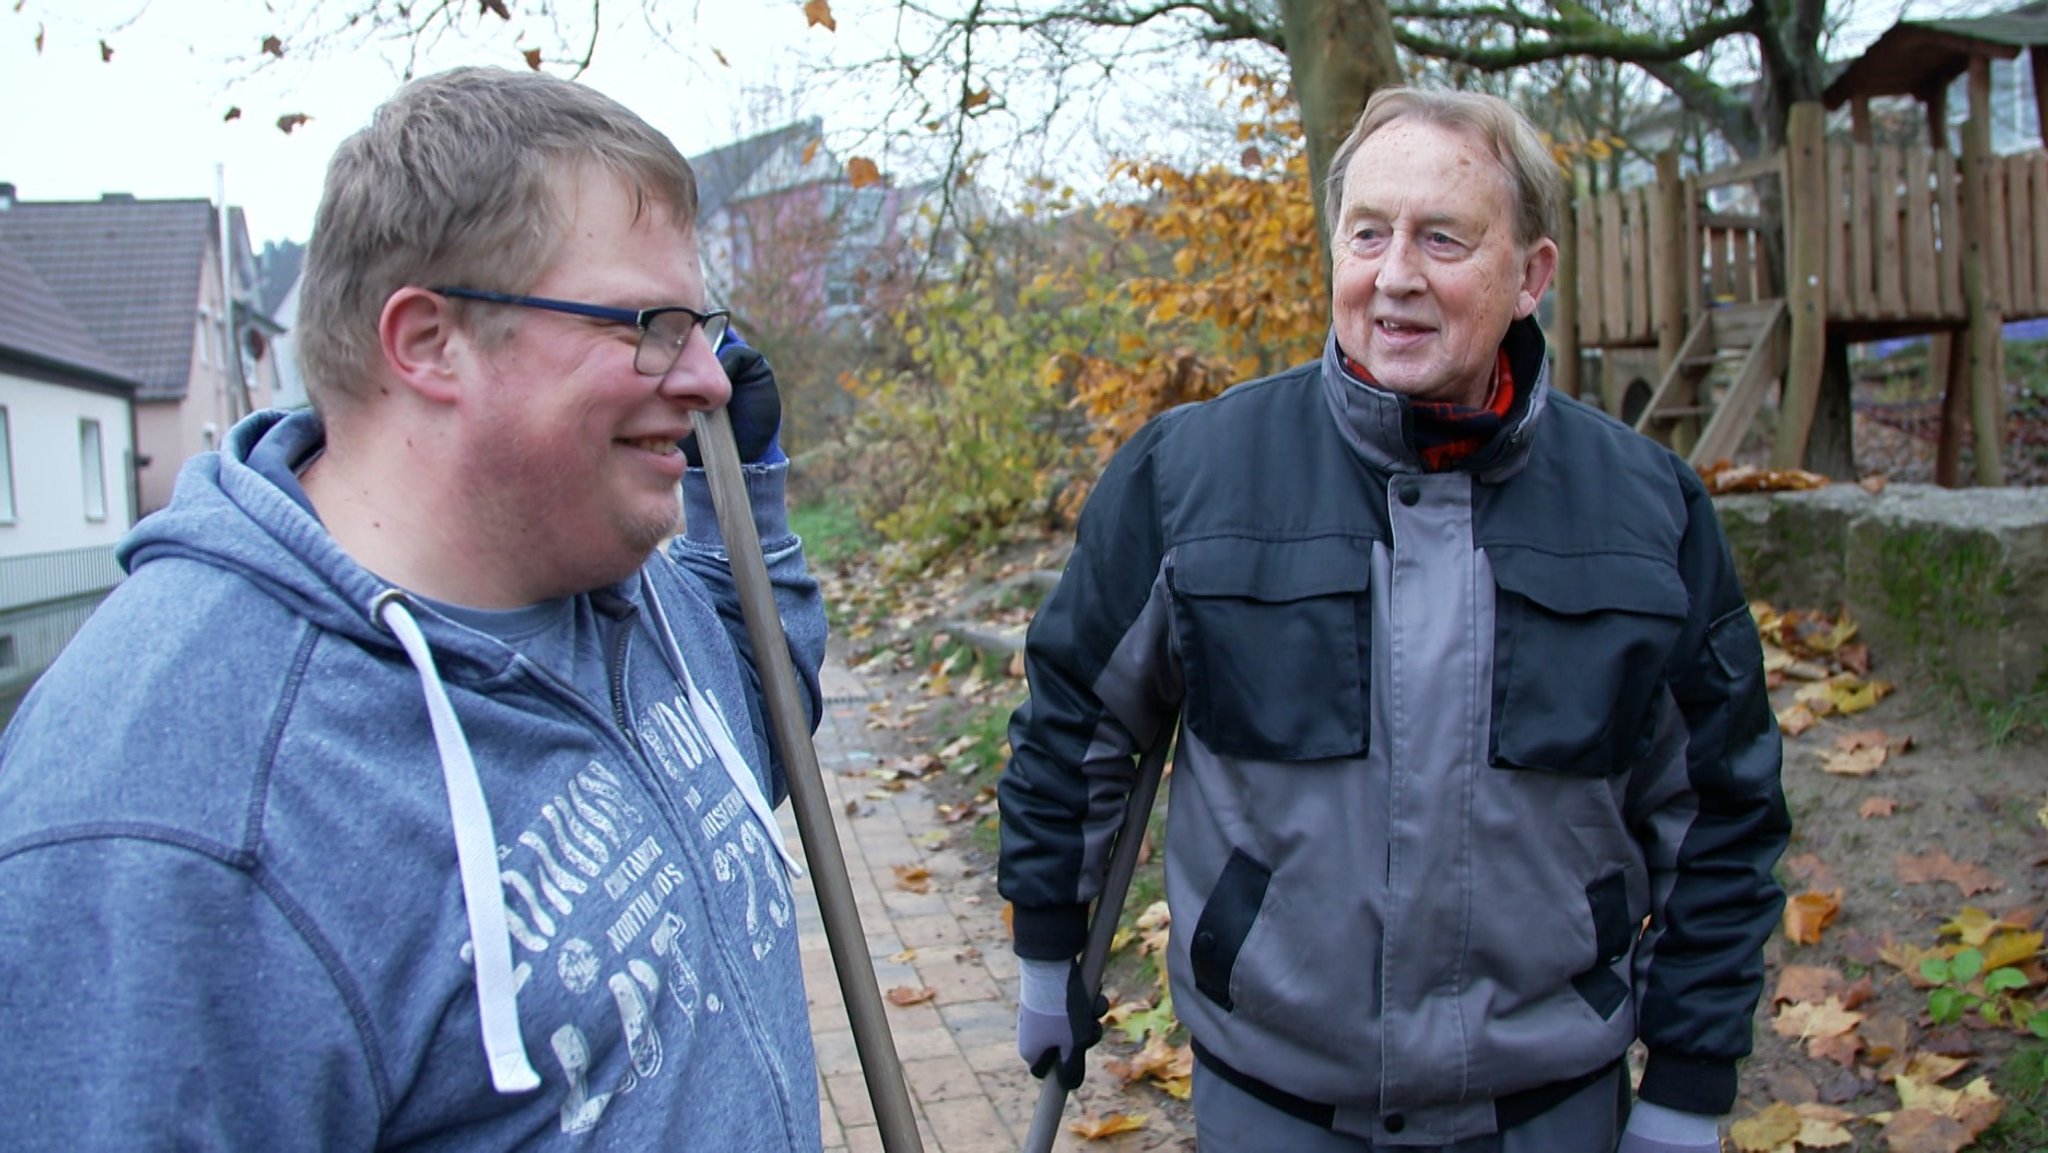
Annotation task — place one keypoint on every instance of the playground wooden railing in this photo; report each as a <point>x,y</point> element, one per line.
<point>1895,254</point>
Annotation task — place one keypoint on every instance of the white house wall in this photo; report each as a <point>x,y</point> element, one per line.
<point>56,564</point>
<point>49,486</point>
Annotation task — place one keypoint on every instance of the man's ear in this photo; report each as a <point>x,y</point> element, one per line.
<point>1537,270</point>
<point>422,345</point>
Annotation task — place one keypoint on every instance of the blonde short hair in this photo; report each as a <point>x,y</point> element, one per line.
<point>456,180</point>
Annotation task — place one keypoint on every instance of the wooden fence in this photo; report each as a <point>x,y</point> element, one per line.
<point>1894,244</point>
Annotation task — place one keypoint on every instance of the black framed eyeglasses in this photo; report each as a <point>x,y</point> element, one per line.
<point>663,331</point>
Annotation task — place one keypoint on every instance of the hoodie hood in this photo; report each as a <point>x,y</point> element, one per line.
<point>227,513</point>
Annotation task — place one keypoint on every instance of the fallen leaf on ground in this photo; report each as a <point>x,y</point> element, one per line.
<point>2006,949</point>
<point>1859,762</point>
<point>1092,1128</point>
<point>1974,1107</point>
<point>1170,1067</point>
<point>1783,1128</point>
<point>1906,957</point>
<point>905,995</point>
<point>1937,866</point>
<point>1809,914</point>
<point>1823,1126</point>
<point>1844,694</point>
<point>913,878</point>
<point>1919,1131</point>
<point>1153,925</point>
<point>1842,1048</point>
<point>1724,477</point>
<point>1815,1019</point>
<point>1877,807</point>
<point>1855,657</point>
<point>1860,993</point>
<point>1974,926</point>
<point>1771,1131</point>
<point>1933,1068</point>
<point>1885,1036</point>
<point>1808,983</point>
<point>1797,718</point>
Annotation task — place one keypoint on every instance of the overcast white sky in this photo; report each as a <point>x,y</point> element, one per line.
<point>150,121</point>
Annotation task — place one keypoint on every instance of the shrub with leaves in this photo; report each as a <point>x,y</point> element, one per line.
<point>965,434</point>
<point>1239,290</point>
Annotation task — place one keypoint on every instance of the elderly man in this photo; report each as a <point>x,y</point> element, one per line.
<point>404,796</point>
<point>1478,781</point>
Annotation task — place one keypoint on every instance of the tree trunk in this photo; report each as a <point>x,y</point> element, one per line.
<point>1338,52</point>
<point>1831,449</point>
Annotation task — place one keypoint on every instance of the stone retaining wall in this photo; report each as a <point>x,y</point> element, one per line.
<point>1948,583</point>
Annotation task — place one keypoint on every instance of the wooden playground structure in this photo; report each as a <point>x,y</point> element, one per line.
<point>1879,240</point>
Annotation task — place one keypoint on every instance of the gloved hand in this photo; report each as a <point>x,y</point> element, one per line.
<point>1056,1022</point>
<point>755,407</point>
<point>1655,1129</point>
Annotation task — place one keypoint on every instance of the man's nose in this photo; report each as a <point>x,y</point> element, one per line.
<point>697,379</point>
<point>1400,270</point>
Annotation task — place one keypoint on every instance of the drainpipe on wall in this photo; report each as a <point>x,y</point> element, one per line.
<point>238,405</point>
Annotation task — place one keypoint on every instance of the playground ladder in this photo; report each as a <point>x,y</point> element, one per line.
<point>1746,342</point>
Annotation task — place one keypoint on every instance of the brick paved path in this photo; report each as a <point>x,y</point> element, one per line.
<point>968,1088</point>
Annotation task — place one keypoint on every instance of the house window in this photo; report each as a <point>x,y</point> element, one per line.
<point>208,339</point>
<point>7,658</point>
<point>6,468</point>
<point>93,467</point>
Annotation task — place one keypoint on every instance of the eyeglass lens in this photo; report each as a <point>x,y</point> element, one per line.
<point>661,345</point>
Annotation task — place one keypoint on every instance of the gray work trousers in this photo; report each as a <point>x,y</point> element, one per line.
<point>1229,1120</point>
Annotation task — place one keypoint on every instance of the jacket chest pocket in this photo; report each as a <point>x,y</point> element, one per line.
<point>1581,644</point>
<point>1272,640</point>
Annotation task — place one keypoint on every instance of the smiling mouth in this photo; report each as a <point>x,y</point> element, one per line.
<point>661,446</point>
<point>1397,328</point>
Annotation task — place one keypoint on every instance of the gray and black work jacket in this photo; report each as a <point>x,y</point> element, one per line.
<point>1479,778</point>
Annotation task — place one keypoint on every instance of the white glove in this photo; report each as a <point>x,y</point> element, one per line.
<point>1656,1129</point>
<point>1056,1020</point>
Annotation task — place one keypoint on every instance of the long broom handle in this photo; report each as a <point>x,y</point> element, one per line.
<point>1109,908</point>
<point>850,960</point>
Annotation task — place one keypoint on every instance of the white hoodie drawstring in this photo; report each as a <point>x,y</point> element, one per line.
<point>476,853</point>
<point>712,720</point>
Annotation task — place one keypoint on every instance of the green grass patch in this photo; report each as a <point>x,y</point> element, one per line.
<point>831,533</point>
<point>2023,1081</point>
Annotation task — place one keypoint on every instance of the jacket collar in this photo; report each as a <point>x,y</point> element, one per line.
<point>1378,424</point>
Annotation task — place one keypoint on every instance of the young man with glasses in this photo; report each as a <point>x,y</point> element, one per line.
<point>405,794</point>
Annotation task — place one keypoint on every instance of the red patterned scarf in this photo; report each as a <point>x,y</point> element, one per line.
<point>1447,434</point>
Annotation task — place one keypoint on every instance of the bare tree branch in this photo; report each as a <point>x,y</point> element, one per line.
<point>1567,36</point>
